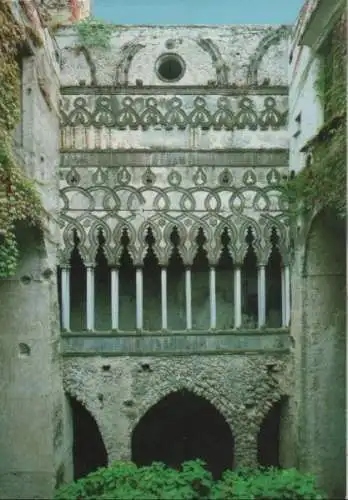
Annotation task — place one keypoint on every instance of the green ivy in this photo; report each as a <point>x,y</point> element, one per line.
<point>94,33</point>
<point>322,183</point>
<point>19,199</point>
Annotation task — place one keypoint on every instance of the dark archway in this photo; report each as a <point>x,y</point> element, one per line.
<point>89,452</point>
<point>181,427</point>
<point>268,441</point>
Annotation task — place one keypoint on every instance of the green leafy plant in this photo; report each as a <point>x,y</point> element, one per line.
<point>19,199</point>
<point>266,484</point>
<point>94,33</point>
<point>126,481</point>
<point>322,183</point>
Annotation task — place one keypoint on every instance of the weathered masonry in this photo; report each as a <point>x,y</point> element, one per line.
<point>165,333</point>
<point>173,217</point>
<point>174,231</point>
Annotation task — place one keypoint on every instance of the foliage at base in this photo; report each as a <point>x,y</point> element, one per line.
<point>126,481</point>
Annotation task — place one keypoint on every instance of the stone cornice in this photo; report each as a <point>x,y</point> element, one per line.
<point>167,158</point>
<point>175,90</point>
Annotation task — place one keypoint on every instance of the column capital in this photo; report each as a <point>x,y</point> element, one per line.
<point>261,265</point>
<point>90,265</point>
<point>65,267</point>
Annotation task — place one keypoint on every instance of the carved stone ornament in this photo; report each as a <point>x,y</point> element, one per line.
<point>108,112</point>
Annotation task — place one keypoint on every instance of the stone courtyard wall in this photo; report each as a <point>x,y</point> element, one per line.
<point>34,432</point>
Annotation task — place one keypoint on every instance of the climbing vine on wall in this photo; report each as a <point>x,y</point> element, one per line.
<point>322,183</point>
<point>18,197</point>
<point>93,33</point>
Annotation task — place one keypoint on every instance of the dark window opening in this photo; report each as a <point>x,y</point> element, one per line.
<point>225,286</point>
<point>102,285</point>
<point>249,284</point>
<point>274,284</point>
<point>78,287</point>
<point>152,286</point>
<point>170,68</point>
<point>176,286</point>
<point>127,298</point>
<point>200,285</point>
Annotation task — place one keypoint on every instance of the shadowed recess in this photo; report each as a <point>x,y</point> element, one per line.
<point>89,452</point>
<point>181,427</point>
<point>269,435</point>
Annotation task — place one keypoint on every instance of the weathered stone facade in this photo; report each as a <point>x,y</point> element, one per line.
<point>243,389</point>
<point>146,154</point>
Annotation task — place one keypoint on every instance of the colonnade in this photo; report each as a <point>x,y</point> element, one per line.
<point>115,297</point>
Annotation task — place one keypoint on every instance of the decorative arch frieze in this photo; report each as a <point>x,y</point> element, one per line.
<point>272,38</point>
<point>187,224</point>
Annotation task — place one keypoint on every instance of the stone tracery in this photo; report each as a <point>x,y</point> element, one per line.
<point>110,111</point>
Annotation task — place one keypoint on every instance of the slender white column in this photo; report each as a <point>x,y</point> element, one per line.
<point>115,298</point>
<point>65,291</point>
<point>286,295</point>
<point>188,298</point>
<point>90,302</point>
<point>139,297</point>
<point>261,295</point>
<point>282,279</point>
<point>237,297</point>
<point>164,298</point>
<point>212,289</point>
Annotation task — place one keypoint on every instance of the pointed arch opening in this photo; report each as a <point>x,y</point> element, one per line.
<point>200,285</point>
<point>102,285</point>
<point>249,283</point>
<point>78,287</point>
<point>183,426</point>
<point>89,452</point>
<point>152,286</point>
<point>127,292</point>
<point>176,286</point>
<point>225,285</point>
<point>269,436</point>
<point>274,288</point>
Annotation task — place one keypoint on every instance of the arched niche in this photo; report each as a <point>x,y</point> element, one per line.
<point>89,452</point>
<point>183,426</point>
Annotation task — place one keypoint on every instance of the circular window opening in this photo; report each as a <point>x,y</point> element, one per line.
<point>170,68</point>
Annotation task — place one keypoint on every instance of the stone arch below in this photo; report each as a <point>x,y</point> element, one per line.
<point>88,450</point>
<point>156,393</point>
<point>90,405</point>
<point>183,426</point>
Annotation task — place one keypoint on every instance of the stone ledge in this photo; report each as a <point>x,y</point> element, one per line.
<point>183,343</point>
<point>176,90</point>
<point>159,157</point>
